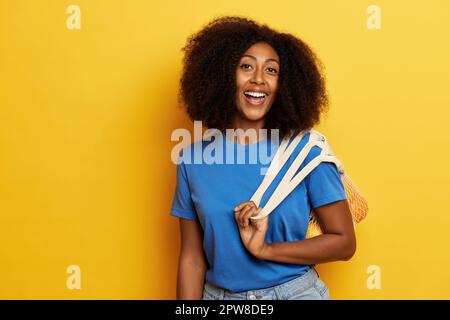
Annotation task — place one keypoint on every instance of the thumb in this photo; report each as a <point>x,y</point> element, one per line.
<point>253,216</point>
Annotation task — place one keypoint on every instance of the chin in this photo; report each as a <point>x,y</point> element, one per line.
<point>254,116</point>
<point>252,113</point>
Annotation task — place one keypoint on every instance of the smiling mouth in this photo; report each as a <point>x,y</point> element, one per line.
<point>255,98</point>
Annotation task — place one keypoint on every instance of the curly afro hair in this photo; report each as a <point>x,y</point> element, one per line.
<point>208,83</point>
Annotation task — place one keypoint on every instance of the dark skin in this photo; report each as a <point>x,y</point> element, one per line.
<point>257,70</point>
<point>192,261</point>
<point>338,241</point>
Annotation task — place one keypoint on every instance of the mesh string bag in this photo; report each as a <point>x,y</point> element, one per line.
<point>357,203</point>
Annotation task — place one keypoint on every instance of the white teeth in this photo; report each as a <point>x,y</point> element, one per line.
<point>255,94</point>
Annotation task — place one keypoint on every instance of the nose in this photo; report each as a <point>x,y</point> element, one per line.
<point>258,76</point>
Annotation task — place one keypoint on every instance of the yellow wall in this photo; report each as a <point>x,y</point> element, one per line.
<point>86,117</point>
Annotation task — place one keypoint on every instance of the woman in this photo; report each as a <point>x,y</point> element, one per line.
<point>242,75</point>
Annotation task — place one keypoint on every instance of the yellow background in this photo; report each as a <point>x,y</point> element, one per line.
<point>86,118</point>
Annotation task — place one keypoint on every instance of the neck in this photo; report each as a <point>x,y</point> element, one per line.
<point>245,124</point>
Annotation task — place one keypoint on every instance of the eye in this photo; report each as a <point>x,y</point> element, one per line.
<point>272,70</point>
<point>244,65</point>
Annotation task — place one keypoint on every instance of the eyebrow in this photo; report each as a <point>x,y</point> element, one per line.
<point>254,58</point>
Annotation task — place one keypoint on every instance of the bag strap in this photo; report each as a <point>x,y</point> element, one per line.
<point>289,182</point>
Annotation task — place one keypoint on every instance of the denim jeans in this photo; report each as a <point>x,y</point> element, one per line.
<point>305,287</point>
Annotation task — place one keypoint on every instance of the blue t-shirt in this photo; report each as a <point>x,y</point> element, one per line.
<point>208,193</point>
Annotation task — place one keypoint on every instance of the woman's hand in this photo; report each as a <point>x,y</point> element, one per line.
<point>253,232</point>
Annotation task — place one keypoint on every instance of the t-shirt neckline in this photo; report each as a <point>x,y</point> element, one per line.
<point>242,145</point>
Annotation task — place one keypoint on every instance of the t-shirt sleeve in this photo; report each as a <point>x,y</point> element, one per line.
<point>182,204</point>
<point>324,184</point>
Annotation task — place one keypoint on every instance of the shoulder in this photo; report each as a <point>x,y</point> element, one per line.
<point>314,144</point>
<point>308,138</point>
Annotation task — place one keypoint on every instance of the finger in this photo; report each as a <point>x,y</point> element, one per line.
<point>257,212</point>
<point>241,215</point>
<point>243,204</point>
<point>238,217</point>
<point>247,215</point>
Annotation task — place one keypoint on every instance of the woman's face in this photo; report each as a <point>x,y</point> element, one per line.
<point>257,81</point>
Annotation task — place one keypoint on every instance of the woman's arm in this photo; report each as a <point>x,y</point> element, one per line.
<point>338,241</point>
<point>192,262</point>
